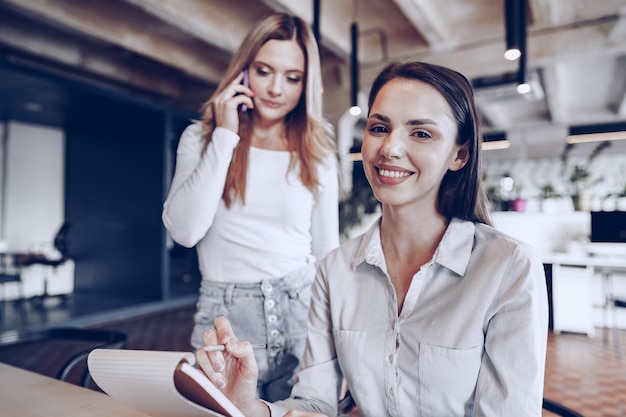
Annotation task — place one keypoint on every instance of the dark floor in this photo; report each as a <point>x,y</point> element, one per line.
<point>583,373</point>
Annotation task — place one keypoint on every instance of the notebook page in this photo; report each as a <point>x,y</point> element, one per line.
<point>144,380</point>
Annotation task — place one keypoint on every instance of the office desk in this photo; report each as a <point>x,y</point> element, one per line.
<point>27,394</point>
<point>572,289</point>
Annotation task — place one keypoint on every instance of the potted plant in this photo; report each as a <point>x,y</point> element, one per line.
<point>579,176</point>
<point>619,195</point>
<point>519,202</point>
<point>548,196</point>
<point>360,204</point>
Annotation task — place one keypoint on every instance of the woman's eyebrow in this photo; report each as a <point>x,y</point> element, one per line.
<point>380,117</point>
<point>264,64</point>
<point>413,122</point>
<point>419,122</point>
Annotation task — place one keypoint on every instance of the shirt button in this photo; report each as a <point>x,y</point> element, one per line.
<point>272,318</point>
<point>270,303</point>
<point>390,358</point>
<point>274,333</point>
<point>268,287</point>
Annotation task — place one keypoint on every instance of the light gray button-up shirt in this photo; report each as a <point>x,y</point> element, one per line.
<point>470,340</point>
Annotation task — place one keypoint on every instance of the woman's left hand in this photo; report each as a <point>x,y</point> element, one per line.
<point>226,103</point>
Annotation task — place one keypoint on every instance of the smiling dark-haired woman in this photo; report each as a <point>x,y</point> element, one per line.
<point>432,312</point>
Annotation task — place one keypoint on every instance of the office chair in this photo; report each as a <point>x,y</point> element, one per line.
<point>19,342</point>
<point>559,409</point>
<point>61,244</point>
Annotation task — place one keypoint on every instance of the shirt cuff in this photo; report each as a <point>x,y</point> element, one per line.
<point>225,135</point>
<point>275,410</point>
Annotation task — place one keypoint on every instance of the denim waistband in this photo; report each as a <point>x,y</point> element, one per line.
<point>291,284</point>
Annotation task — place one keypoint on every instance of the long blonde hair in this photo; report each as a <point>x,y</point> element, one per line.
<point>309,136</point>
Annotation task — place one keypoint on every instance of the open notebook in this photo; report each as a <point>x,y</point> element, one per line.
<point>160,384</point>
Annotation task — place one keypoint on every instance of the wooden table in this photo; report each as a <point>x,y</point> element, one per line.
<point>27,394</point>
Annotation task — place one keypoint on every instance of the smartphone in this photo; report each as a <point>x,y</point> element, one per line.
<point>245,82</point>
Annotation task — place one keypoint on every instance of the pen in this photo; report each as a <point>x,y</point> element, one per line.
<point>220,348</point>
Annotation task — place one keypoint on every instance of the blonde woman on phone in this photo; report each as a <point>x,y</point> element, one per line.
<point>255,190</point>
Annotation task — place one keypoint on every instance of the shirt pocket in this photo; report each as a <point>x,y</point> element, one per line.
<point>447,378</point>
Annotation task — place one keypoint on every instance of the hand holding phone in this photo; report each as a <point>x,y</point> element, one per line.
<point>246,83</point>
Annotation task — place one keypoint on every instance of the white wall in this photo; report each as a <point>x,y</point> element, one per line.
<point>33,207</point>
<point>2,176</point>
<point>34,194</point>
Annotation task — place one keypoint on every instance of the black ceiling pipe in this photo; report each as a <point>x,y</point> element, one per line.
<point>354,61</point>
<point>316,22</point>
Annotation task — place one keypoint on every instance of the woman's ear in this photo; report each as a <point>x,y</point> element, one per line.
<point>461,158</point>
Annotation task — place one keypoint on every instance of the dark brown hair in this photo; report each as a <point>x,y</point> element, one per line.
<point>461,193</point>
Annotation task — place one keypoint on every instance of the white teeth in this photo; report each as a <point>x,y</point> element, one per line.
<point>393,174</point>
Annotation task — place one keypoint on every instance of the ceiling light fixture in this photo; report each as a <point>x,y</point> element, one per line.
<point>316,21</point>
<point>515,28</point>
<point>355,110</point>
<point>516,34</point>
<point>355,156</point>
<point>495,141</point>
<point>495,146</point>
<point>597,133</point>
<point>524,88</point>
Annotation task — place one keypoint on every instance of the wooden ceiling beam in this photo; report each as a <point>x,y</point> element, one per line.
<point>426,19</point>
<point>334,22</point>
<point>128,27</point>
<point>554,93</point>
<point>224,27</point>
<point>41,47</point>
<point>621,109</point>
<point>544,48</point>
<point>494,116</point>
<point>541,13</point>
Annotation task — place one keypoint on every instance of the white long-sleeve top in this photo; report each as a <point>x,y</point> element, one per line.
<point>281,227</point>
<point>470,339</point>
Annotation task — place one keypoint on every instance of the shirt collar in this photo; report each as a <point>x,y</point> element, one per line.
<point>370,248</point>
<point>453,252</point>
<point>455,248</point>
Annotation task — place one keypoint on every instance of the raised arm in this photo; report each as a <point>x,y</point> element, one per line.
<point>199,179</point>
<point>198,183</point>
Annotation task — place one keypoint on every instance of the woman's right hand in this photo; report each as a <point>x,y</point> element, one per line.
<point>234,371</point>
<point>226,103</point>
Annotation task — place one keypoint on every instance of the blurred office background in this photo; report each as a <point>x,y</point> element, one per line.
<point>94,95</point>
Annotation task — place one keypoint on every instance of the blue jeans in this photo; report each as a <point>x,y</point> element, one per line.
<point>272,312</point>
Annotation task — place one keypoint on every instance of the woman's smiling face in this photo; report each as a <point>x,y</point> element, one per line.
<point>410,143</point>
